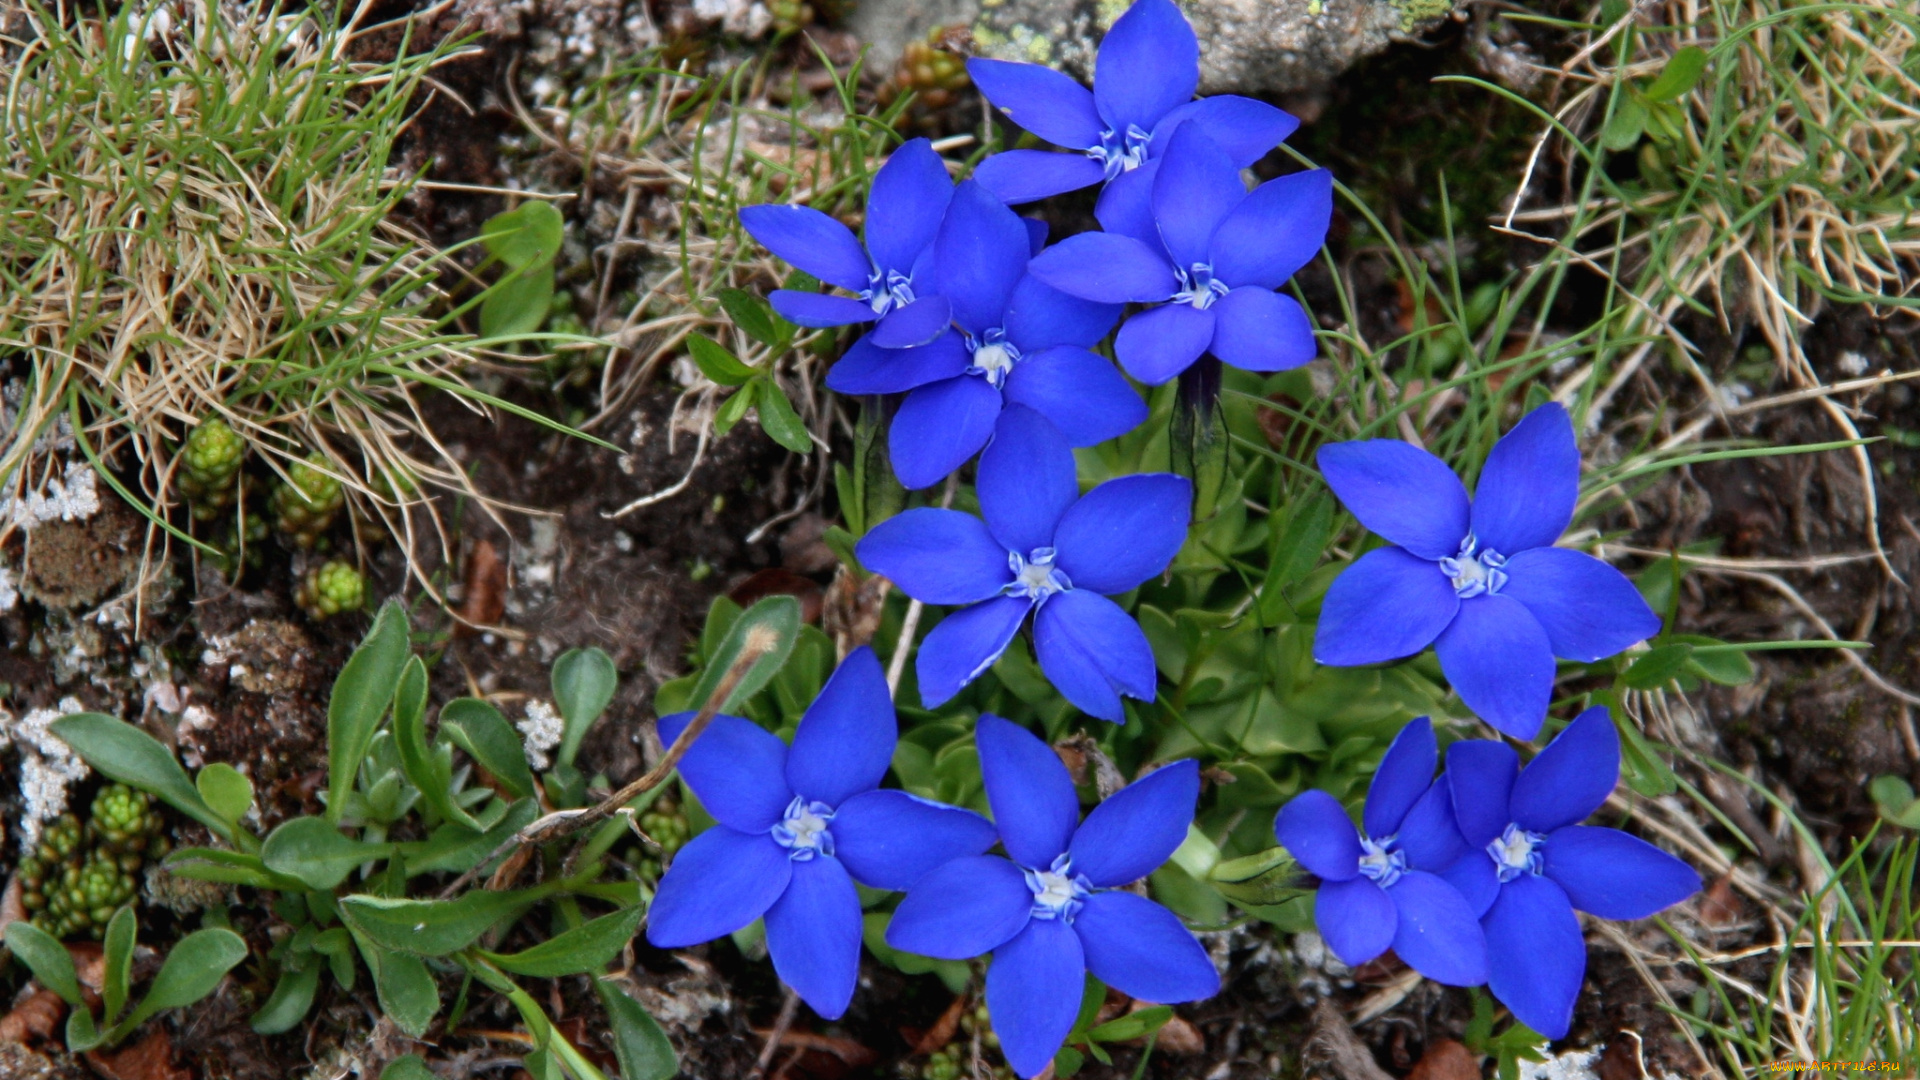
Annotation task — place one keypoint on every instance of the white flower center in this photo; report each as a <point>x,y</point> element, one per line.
<point>803,830</point>
<point>1058,892</point>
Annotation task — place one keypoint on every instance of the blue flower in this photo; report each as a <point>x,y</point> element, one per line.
<point>1018,341</point>
<point>1480,581</point>
<point>1045,548</point>
<point>1148,67</point>
<point>1378,885</point>
<point>1055,909</point>
<point>887,276</point>
<point>1209,252</point>
<point>1530,865</point>
<point>794,823</point>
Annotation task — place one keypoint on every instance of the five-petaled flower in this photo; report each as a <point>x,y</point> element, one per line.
<point>1480,581</point>
<point>1054,909</point>
<point>1043,547</point>
<point>1378,884</point>
<point>794,823</point>
<point>1530,864</point>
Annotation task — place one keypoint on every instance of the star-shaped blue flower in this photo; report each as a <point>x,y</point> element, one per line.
<point>1480,581</point>
<point>1044,548</point>
<point>887,276</point>
<point>1143,83</point>
<point>797,826</point>
<point>1018,341</point>
<point>1209,253</point>
<point>1054,909</point>
<point>1531,865</point>
<point>1378,885</point>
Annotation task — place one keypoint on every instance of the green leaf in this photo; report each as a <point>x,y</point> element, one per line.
<point>407,1067</point>
<point>584,681</point>
<point>1644,770</point>
<point>361,694</point>
<point>716,363</point>
<point>1894,796</point>
<point>1715,661</point>
<point>735,407</point>
<point>456,849</point>
<point>1093,994</point>
<point>1134,1025</point>
<point>643,1049</point>
<point>584,948</point>
<point>779,421</point>
<point>315,851</point>
<point>775,616</point>
<point>226,791</point>
<point>752,315</point>
<point>1681,74</point>
<point>518,303</point>
<point>430,772</point>
<point>49,961</point>
<point>434,927</point>
<point>193,967</point>
<point>1068,1062</point>
<point>1623,129</point>
<point>82,1033</point>
<point>1198,430</point>
<point>529,233</point>
<point>291,998</point>
<point>123,752</point>
<point>478,728</point>
<point>117,964</point>
<point>404,986</point>
<point>1657,666</point>
<point>1296,551</point>
<point>228,868</point>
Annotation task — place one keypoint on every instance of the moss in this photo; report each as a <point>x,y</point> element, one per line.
<point>1415,12</point>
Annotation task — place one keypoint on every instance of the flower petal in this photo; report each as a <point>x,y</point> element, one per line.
<point>1388,604</point>
<point>1148,65</point>
<point>1033,993</point>
<point>1589,610</point>
<point>914,324</point>
<point>819,309</point>
<point>1033,799</point>
<point>1092,652</point>
<point>868,369</point>
<point>1480,774</point>
<point>1613,875</point>
<point>890,839</point>
<point>1438,933</point>
<point>1428,833</point>
<point>1159,343</point>
<point>721,881</point>
<point>1535,954</point>
<point>1107,267</point>
<point>939,426</point>
<point>1404,775</point>
<point>936,556</point>
<point>1400,492</point>
<point>1036,235</point>
<point>813,935</point>
<point>845,740</point>
<point>1138,827</point>
<point>964,644</point>
<point>1040,316</point>
<point>1124,532</point>
<point>1025,480</point>
<point>1126,204</point>
<point>1572,777</point>
<point>812,241</point>
<point>1245,128</point>
<point>909,197</point>
<point>1316,829</point>
<point>1196,188</point>
<point>1257,329</point>
<point>737,768</point>
<point>1356,917</point>
<point>962,908</point>
<point>1499,661</point>
<point>1277,229</point>
<point>981,254</point>
<point>1084,395</point>
<point>1044,101</point>
<point>1140,949</point>
<point>1477,880</point>
<point>1527,489</point>
<point>1024,176</point>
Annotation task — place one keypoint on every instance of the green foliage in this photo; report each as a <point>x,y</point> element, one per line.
<point>1514,1044</point>
<point>526,239</point>
<point>361,693</point>
<point>1895,798</point>
<point>191,970</point>
<point>122,752</point>
<point>756,387</point>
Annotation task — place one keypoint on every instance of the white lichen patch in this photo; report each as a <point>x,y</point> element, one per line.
<point>47,766</point>
<point>73,498</point>
<point>542,727</point>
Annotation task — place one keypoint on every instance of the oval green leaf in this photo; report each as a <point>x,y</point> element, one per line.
<point>433,927</point>
<point>584,681</point>
<point>776,616</point>
<point>47,959</point>
<point>316,852</point>
<point>361,695</point>
<point>226,791</point>
<point>125,753</point>
<point>643,1049</point>
<point>292,997</point>
<point>779,421</point>
<point>194,966</point>
<point>584,948</point>
<point>478,728</point>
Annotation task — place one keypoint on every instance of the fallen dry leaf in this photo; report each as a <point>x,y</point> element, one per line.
<point>149,1059</point>
<point>847,1050</point>
<point>941,1033</point>
<point>1720,906</point>
<point>779,581</point>
<point>38,1017</point>
<point>484,601</point>
<point>1446,1059</point>
<point>1179,1037</point>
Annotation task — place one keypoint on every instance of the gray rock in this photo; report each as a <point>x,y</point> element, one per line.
<point>887,26</point>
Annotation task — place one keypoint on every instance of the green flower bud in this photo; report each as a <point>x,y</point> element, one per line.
<point>331,589</point>
<point>209,462</point>
<point>305,505</point>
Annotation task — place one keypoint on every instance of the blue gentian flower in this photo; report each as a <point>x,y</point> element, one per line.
<point>886,277</point>
<point>797,826</point>
<point>1143,83</point>
<point>1531,865</point>
<point>1209,253</point>
<point>1044,548</point>
<point>1480,581</point>
<point>1378,885</point>
<point>1054,909</point>
<point>1017,341</point>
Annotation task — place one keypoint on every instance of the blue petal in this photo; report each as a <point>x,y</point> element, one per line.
<point>1025,480</point>
<point>1257,329</point>
<point>1092,652</point>
<point>1160,343</point>
<point>1024,176</point>
<point>1480,773</point>
<point>1400,492</point>
<point>1589,610</point>
<point>1404,775</point>
<point>982,254</point>
<point>812,241</point>
<point>1572,777</point>
<point>1040,316</point>
<point>1535,954</point>
<point>1316,829</point>
<point>813,935</point>
<point>721,881</point>
<point>1527,489</point>
<point>939,426</point>
<point>845,740</point>
<point>1387,605</point>
<point>909,197</point>
<point>868,369</point>
<point>1137,828</point>
<point>1149,64</point>
<point>1498,660</point>
<point>936,556</point>
<point>1126,204</point>
<point>962,908</point>
<point>1438,933</point>
<point>1036,235</point>
<point>1356,917</point>
<point>1140,949</point>
<point>965,644</point>
<point>1033,993</point>
<point>1081,392</point>
<point>890,839</point>
<point>1277,229</point>
<point>1196,188</point>
<point>1041,100</point>
<point>915,324</point>
<point>1428,834</point>
<point>1125,532</point>
<point>1106,267</point>
<point>819,309</point>
<point>737,768</point>
<point>1613,875</point>
<point>1477,880</point>
<point>1033,800</point>
<point>1246,129</point>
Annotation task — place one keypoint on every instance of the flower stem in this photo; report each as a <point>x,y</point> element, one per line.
<point>1199,434</point>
